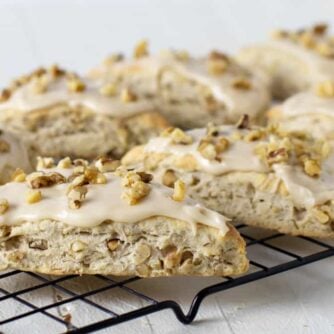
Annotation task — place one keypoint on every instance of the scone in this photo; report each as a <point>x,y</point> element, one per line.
<point>311,111</point>
<point>190,91</point>
<point>59,114</point>
<point>85,219</point>
<point>13,156</point>
<point>293,60</point>
<point>258,176</point>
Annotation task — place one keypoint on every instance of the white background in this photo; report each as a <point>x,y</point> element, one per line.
<point>78,35</point>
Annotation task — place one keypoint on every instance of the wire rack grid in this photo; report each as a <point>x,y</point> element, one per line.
<point>289,251</point>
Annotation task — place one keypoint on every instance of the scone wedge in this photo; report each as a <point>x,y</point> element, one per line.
<point>77,218</point>
<point>311,111</point>
<point>294,61</point>
<point>263,177</point>
<point>190,91</point>
<point>59,114</point>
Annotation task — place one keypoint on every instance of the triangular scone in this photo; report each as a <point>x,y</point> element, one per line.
<point>258,176</point>
<point>60,114</point>
<point>311,111</point>
<point>85,219</point>
<point>14,156</point>
<point>293,60</point>
<point>190,91</point>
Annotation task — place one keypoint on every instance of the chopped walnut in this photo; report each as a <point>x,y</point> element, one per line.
<point>128,96</point>
<point>4,146</point>
<point>38,180</point>
<point>75,85</point>
<point>179,191</point>
<point>5,95</point>
<point>242,84</point>
<point>325,89</point>
<point>145,177</point>
<point>114,58</point>
<point>76,196</point>
<point>279,34</point>
<point>38,244</point>
<point>4,206</point>
<point>177,136</point>
<point>78,246</point>
<point>19,175</point>
<point>55,71</point>
<point>113,244</point>
<point>243,122</point>
<point>141,49</point>
<point>33,196</point>
<point>222,144</point>
<point>312,167</point>
<point>321,216</point>
<point>207,149</point>
<point>65,163</point>
<point>169,178</point>
<point>109,89</point>
<point>107,164</point>
<point>217,55</point>
<point>134,188</point>
<point>217,66</point>
<point>278,155</point>
<point>307,40</point>
<point>43,163</point>
<point>254,135</point>
<point>39,85</point>
<point>320,29</point>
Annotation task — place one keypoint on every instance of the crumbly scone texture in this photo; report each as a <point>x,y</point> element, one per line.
<point>158,246</point>
<point>253,198</point>
<point>287,72</point>
<point>78,132</point>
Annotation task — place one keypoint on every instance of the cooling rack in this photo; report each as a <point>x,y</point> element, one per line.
<point>270,254</point>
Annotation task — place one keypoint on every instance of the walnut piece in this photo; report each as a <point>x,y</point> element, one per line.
<point>179,191</point>
<point>141,49</point>
<point>128,96</point>
<point>177,136</point>
<point>33,196</point>
<point>134,188</point>
<point>4,206</point>
<point>325,89</point>
<point>4,146</point>
<point>19,175</point>
<point>169,178</point>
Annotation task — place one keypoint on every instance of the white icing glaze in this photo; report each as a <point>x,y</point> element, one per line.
<point>244,101</point>
<point>16,157</point>
<point>103,202</point>
<point>304,190</point>
<point>25,100</point>
<point>307,103</point>
<point>244,160</point>
<point>240,101</point>
<point>317,67</point>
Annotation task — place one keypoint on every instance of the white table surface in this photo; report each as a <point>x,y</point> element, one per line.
<point>78,34</point>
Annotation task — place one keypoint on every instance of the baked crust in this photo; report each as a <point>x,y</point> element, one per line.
<point>158,246</point>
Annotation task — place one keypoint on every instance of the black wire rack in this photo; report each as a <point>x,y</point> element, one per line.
<point>270,254</point>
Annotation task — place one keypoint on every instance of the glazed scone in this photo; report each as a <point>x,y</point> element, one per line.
<point>85,219</point>
<point>293,60</point>
<point>60,114</point>
<point>14,158</point>
<point>311,111</point>
<point>258,176</point>
<point>191,91</point>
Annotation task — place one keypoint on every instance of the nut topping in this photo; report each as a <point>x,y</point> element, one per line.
<point>4,206</point>
<point>179,191</point>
